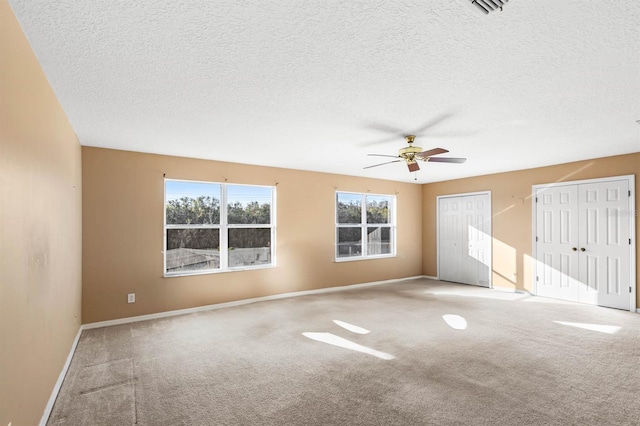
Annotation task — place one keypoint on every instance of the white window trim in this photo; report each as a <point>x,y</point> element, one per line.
<point>222,226</point>
<point>363,226</point>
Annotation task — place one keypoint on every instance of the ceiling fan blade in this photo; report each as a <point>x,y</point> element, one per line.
<point>384,128</point>
<point>434,151</point>
<point>396,131</point>
<point>458,134</point>
<point>379,141</point>
<point>432,123</point>
<point>446,160</point>
<point>382,155</point>
<point>413,167</point>
<point>403,132</point>
<point>382,164</point>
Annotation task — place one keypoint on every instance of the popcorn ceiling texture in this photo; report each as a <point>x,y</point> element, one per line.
<point>306,85</point>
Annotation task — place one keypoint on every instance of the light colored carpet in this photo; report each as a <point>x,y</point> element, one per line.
<point>521,360</point>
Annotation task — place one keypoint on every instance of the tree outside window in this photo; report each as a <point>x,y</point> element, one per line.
<point>364,225</point>
<point>212,227</point>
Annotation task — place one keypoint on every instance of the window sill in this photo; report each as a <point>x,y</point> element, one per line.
<point>357,258</point>
<point>217,271</point>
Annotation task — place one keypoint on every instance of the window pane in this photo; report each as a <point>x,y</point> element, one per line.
<point>378,240</point>
<point>249,204</point>
<point>349,208</point>
<point>378,209</point>
<point>249,246</point>
<point>192,249</point>
<point>349,242</point>
<point>192,203</point>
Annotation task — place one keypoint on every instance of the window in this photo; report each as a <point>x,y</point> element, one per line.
<point>211,227</point>
<point>365,225</point>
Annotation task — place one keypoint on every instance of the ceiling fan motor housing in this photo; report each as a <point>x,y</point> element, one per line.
<point>409,153</point>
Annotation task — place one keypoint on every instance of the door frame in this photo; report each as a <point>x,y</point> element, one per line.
<point>537,189</point>
<point>465,194</point>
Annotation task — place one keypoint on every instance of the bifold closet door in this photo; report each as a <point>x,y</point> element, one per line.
<point>464,239</point>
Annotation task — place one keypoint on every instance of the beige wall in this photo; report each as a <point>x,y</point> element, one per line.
<point>44,236</point>
<point>40,231</point>
<point>512,215</point>
<point>123,196</point>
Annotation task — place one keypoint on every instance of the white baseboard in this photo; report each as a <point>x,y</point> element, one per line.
<point>58,385</point>
<point>429,277</point>
<point>512,290</point>
<point>166,314</point>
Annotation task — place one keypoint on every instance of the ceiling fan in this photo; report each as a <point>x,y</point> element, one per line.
<point>412,154</point>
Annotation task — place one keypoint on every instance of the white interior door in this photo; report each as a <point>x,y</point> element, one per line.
<point>464,242</point>
<point>583,250</point>
<point>450,249</point>
<point>557,243</point>
<point>604,244</point>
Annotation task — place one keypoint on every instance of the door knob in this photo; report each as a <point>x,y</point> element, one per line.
<point>574,248</point>
<point>583,249</point>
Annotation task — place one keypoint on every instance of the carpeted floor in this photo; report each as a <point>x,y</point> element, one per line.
<point>417,352</point>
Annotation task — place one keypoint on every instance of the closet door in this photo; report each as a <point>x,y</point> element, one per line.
<point>477,226</point>
<point>583,251</point>
<point>604,244</point>
<point>450,240</point>
<point>557,243</point>
<point>464,245</point>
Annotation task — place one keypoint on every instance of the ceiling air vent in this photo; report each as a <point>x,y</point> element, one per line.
<point>489,5</point>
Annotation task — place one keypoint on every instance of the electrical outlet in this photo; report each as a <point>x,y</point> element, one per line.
<point>131,298</point>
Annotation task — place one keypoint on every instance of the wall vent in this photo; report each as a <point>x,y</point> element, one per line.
<point>487,6</point>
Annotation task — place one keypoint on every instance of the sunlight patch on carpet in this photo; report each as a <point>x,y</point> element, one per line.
<point>609,329</point>
<point>455,321</point>
<point>334,340</point>
<point>351,327</point>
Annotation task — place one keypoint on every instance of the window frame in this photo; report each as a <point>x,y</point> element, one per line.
<point>363,225</point>
<point>223,228</point>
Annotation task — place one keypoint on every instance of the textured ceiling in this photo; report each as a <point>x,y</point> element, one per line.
<point>317,85</point>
